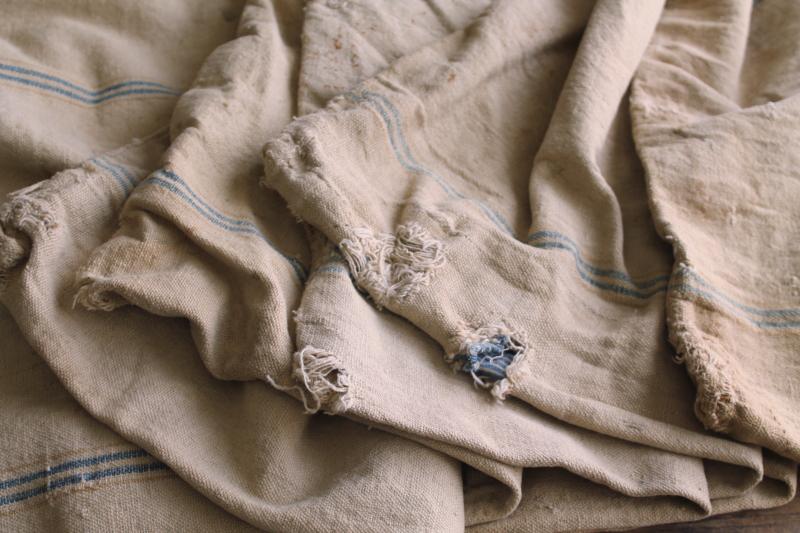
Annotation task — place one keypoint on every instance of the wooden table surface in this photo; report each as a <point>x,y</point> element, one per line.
<point>784,519</point>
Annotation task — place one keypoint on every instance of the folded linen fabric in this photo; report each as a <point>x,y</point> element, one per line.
<point>385,372</point>
<point>206,166</point>
<point>142,377</point>
<point>62,470</point>
<point>481,274</point>
<point>80,79</point>
<point>719,140</point>
<point>244,446</point>
<point>428,235</point>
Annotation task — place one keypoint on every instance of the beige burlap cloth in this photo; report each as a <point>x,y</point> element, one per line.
<point>74,83</point>
<point>482,275</point>
<point>509,219</point>
<point>243,445</point>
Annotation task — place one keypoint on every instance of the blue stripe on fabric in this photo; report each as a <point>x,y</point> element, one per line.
<point>133,178</point>
<point>771,313</point>
<point>399,145</point>
<point>69,465</point>
<point>124,180</point>
<point>572,247</point>
<point>407,160</point>
<point>759,323</point>
<point>404,157</point>
<point>586,275</point>
<point>586,270</point>
<point>493,215</point>
<point>237,222</point>
<point>707,291</point>
<point>216,218</point>
<point>81,98</point>
<point>624,291</point>
<point>710,294</point>
<point>88,92</point>
<point>78,479</point>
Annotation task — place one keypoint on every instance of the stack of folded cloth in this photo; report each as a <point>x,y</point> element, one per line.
<point>537,261</point>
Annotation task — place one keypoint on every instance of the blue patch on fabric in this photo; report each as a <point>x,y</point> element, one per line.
<point>488,360</point>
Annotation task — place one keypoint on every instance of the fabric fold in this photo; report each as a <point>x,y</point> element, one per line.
<point>141,375</point>
<point>719,142</point>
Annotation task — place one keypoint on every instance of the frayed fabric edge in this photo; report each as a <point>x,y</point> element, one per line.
<point>716,398</point>
<point>24,215</point>
<point>391,268</point>
<point>321,381</point>
<point>12,252</point>
<point>498,336</point>
<point>93,295</point>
